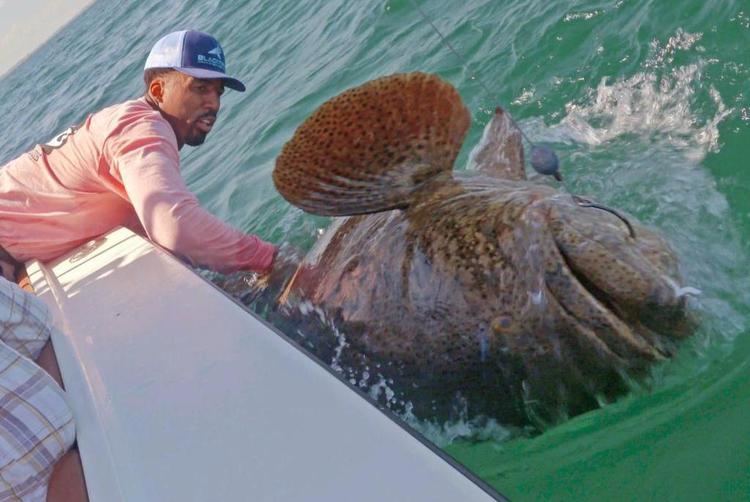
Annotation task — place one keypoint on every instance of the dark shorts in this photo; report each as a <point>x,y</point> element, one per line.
<point>9,267</point>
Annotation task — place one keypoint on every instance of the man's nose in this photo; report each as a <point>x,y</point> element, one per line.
<point>213,101</point>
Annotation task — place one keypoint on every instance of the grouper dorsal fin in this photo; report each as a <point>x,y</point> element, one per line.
<point>500,152</point>
<point>369,148</point>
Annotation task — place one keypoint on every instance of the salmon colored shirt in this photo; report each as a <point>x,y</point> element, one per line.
<point>121,167</point>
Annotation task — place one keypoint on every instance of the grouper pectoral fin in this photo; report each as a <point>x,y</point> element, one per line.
<point>500,152</point>
<point>368,149</point>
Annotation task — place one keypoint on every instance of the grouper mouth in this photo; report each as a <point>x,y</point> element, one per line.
<point>662,351</point>
<point>591,288</point>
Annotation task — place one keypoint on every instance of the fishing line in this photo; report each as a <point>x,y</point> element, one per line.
<point>543,158</point>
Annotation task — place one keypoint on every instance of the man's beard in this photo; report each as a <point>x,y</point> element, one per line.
<point>196,139</point>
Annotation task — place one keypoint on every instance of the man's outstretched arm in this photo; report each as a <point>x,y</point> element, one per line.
<point>172,216</point>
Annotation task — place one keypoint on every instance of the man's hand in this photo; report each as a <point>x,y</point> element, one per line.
<point>262,290</point>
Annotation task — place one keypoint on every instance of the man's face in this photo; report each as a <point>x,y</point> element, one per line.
<point>191,106</point>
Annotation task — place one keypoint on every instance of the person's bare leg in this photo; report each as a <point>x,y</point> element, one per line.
<point>67,483</point>
<point>48,362</point>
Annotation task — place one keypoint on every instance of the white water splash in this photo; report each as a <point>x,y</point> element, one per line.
<point>381,391</point>
<point>742,19</point>
<point>664,54</point>
<point>575,16</point>
<point>645,105</point>
<point>445,433</point>
<point>525,97</point>
<point>671,105</point>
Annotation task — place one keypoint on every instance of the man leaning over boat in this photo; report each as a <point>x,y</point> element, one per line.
<point>120,167</point>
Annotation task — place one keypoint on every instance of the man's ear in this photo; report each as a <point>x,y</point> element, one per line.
<point>156,89</point>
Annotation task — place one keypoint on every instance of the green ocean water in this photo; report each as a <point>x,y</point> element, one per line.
<point>647,102</point>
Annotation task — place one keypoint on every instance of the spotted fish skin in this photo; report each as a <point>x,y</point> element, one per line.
<point>490,287</point>
<point>469,291</point>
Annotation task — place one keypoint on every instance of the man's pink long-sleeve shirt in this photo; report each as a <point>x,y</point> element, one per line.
<point>121,167</point>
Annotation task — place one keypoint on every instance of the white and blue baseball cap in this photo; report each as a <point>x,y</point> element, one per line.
<point>194,53</point>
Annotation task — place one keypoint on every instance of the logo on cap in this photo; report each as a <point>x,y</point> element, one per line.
<point>214,58</point>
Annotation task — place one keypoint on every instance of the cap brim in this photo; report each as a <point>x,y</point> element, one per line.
<point>230,82</point>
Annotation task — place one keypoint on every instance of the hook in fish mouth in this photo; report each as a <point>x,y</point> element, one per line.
<point>583,202</point>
